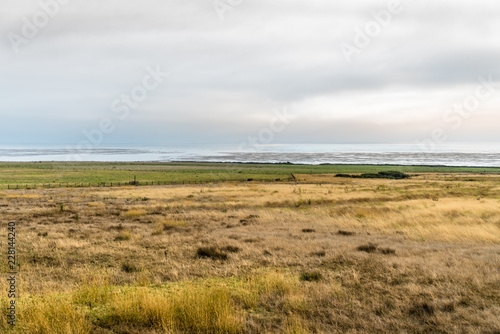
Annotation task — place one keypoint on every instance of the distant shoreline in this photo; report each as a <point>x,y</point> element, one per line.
<point>323,164</point>
<point>195,162</point>
<point>244,163</point>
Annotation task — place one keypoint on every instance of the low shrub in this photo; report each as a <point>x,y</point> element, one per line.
<point>394,175</point>
<point>313,276</point>
<point>387,251</point>
<point>213,253</point>
<point>368,248</point>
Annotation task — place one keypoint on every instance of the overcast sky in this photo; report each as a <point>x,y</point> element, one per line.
<point>341,75</point>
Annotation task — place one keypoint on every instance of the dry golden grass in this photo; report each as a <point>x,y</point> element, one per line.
<point>346,255</point>
<point>134,213</point>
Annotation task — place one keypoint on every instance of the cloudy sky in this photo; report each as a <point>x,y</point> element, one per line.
<point>343,71</point>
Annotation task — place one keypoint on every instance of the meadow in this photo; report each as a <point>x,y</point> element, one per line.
<point>30,174</point>
<point>321,254</point>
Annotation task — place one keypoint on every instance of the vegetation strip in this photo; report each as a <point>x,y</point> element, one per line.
<point>323,254</point>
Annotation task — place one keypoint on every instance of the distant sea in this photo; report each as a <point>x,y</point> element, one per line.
<point>449,154</point>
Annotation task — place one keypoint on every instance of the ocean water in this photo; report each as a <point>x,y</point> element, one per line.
<point>450,154</point>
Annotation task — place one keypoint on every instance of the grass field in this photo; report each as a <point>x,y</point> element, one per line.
<point>22,174</point>
<point>326,255</point>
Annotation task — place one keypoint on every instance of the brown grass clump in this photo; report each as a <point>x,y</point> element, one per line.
<point>158,230</point>
<point>231,249</point>
<point>346,233</point>
<point>319,253</point>
<point>123,236</point>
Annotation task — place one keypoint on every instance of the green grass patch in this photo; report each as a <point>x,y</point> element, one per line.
<point>95,173</point>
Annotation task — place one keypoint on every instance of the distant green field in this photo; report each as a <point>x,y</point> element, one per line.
<point>94,172</point>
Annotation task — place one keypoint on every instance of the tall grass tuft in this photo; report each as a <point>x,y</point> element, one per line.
<point>51,314</point>
<point>191,309</point>
<point>93,291</point>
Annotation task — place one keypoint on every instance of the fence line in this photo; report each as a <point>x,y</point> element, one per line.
<point>133,183</point>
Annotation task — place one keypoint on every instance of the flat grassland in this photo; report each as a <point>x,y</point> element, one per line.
<point>322,255</point>
<point>55,173</point>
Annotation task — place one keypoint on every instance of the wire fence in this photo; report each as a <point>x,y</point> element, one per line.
<point>134,183</point>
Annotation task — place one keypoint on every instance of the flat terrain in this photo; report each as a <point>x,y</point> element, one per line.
<point>325,255</point>
<point>95,173</point>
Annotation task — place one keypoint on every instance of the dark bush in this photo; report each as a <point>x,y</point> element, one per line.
<point>346,233</point>
<point>370,176</point>
<point>395,175</point>
<point>369,248</point>
<point>343,175</point>
<point>387,250</point>
<point>129,267</point>
<point>310,276</point>
<point>422,310</point>
<point>212,253</point>
<point>449,307</point>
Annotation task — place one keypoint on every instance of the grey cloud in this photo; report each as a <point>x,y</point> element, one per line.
<point>265,55</point>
